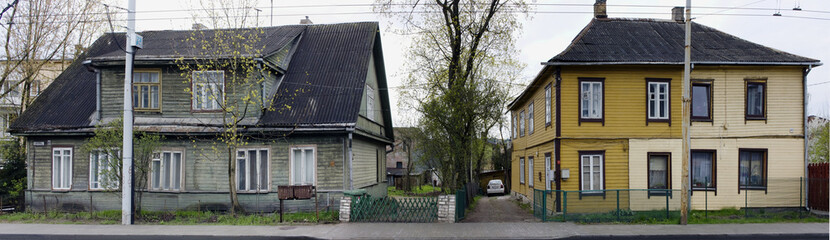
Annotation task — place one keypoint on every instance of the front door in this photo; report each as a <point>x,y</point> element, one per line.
<point>548,172</point>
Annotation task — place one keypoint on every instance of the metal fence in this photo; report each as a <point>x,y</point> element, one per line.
<point>768,198</point>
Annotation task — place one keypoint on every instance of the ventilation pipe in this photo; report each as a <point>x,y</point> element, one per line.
<point>599,9</point>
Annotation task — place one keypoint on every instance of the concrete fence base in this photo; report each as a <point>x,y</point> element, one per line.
<point>446,208</point>
<point>345,209</point>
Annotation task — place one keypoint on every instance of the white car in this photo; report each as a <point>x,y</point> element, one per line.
<point>495,186</point>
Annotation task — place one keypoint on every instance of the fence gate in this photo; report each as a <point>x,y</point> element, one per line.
<point>389,209</point>
<point>818,185</point>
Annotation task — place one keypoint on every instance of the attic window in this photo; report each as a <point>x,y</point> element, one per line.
<point>207,90</point>
<point>370,103</point>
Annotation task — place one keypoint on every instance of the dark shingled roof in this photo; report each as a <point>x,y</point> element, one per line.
<point>616,40</point>
<point>328,71</point>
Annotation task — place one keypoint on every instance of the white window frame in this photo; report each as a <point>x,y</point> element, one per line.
<point>547,105</point>
<point>590,106</point>
<point>591,172</point>
<point>291,164</point>
<point>159,157</point>
<point>521,170</point>
<point>246,157</point>
<point>530,171</point>
<point>96,180</point>
<point>654,100</point>
<point>530,118</point>
<point>62,181</point>
<point>200,95</point>
<point>522,123</point>
<point>370,102</point>
<point>514,125</point>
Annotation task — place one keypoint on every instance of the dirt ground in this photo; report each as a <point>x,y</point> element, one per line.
<point>498,209</point>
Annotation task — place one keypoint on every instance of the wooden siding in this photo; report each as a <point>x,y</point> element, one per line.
<point>538,154</point>
<point>786,166</point>
<point>372,80</point>
<point>175,101</point>
<point>624,102</point>
<point>367,156</point>
<point>541,133</point>
<point>784,102</point>
<point>615,172</point>
<point>638,172</point>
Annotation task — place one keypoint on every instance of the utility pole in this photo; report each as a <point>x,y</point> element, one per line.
<point>127,151</point>
<point>685,198</point>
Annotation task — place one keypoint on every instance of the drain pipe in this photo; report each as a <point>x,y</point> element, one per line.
<point>806,142</point>
<point>351,159</point>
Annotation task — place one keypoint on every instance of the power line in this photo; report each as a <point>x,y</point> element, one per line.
<point>814,84</point>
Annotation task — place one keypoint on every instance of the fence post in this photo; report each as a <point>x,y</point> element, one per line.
<point>545,206</point>
<point>706,200</point>
<point>565,206</point>
<point>618,205</point>
<point>800,186</point>
<point>667,202</point>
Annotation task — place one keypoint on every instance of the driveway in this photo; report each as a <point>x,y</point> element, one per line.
<point>498,209</point>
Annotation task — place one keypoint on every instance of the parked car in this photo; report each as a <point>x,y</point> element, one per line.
<point>495,186</point>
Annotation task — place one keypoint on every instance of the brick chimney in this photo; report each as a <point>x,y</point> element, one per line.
<point>306,21</point>
<point>677,14</point>
<point>599,9</point>
<point>198,26</point>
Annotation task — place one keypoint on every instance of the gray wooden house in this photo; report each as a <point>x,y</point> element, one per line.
<point>333,136</point>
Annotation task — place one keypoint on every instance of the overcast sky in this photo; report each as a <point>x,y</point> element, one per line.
<point>548,32</point>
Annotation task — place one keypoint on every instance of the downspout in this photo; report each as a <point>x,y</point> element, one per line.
<point>97,95</point>
<point>351,159</point>
<point>806,143</point>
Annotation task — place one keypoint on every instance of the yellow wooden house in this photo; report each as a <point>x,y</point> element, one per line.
<point>605,114</point>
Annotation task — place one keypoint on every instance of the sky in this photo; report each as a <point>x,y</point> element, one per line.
<point>551,28</point>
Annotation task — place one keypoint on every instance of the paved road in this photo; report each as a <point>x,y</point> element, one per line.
<point>498,209</point>
<point>519,230</point>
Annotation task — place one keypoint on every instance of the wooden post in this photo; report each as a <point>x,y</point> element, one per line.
<point>316,211</point>
<point>90,205</point>
<point>44,204</point>
<point>281,210</point>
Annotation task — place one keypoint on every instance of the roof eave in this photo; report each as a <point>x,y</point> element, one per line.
<point>681,63</point>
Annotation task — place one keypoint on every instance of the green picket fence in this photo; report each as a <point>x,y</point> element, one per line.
<point>389,209</point>
<point>611,205</point>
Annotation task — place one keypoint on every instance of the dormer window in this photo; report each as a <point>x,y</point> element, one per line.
<point>207,90</point>
<point>146,90</point>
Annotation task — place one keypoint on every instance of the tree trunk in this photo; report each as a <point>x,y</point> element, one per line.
<point>232,181</point>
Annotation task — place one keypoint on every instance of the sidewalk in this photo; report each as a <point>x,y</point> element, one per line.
<point>426,230</point>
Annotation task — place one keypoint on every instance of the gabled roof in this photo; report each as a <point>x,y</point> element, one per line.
<point>328,71</point>
<point>654,41</point>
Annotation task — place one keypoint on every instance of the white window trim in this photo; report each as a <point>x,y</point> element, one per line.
<point>161,171</point>
<point>547,105</point>
<point>217,102</point>
<point>589,105</point>
<point>99,180</point>
<point>530,171</point>
<point>591,172</point>
<point>71,164</point>
<point>259,169</point>
<point>521,170</point>
<point>530,118</point>
<point>370,102</point>
<point>291,162</point>
<point>656,100</point>
<point>522,123</point>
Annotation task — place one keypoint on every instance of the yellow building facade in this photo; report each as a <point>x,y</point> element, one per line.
<point>608,130</point>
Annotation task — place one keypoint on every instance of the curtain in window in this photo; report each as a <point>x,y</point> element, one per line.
<point>596,107</point>
<point>755,99</point>
<point>93,170</point>
<point>752,168</point>
<point>530,171</point>
<point>521,170</point>
<point>658,172</point>
<point>702,169</point>
<point>586,99</point>
<point>309,166</point>
<point>263,169</point>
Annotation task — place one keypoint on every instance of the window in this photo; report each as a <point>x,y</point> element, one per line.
<point>61,168</point>
<point>514,125</point>
<point>521,170</point>
<point>755,100</point>
<point>530,171</point>
<point>252,170</point>
<point>12,87</point>
<point>659,172</point>
<point>370,102</point>
<point>591,175</point>
<point>166,171</point>
<point>399,165</point>
<point>658,100</point>
<point>547,105</point>
<point>703,170</point>
<point>591,100</point>
<point>101,171</point>
<point>701,101</point>
<point>208,87</point>
<point>753,169</point>
<point>530,118</point>
<point>146,90</point>
<point>34,89</point>
<point>303,166</point>
<point>522,124</point>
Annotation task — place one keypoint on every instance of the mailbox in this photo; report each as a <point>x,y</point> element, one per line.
<point>566,173</point>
